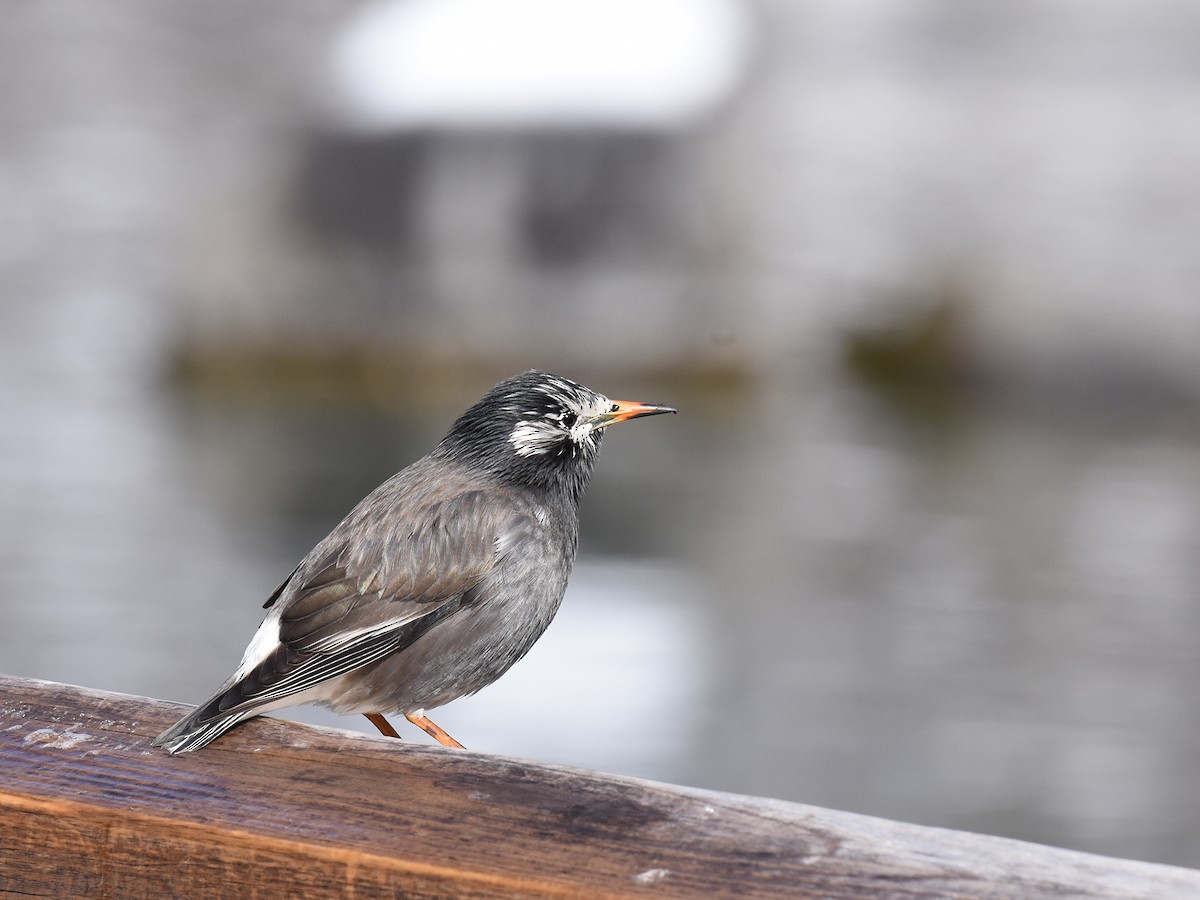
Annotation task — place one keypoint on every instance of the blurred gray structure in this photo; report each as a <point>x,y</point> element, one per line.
<point>1034,156</point>
<point>984,618</point>
<point>485,181</point>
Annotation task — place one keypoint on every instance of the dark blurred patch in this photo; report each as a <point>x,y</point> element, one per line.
<point>587,194</point>
<point>917,364</point>
<point>582,196</point>
<point>363,188</point>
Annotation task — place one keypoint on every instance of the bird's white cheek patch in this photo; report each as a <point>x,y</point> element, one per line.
<point>533,439</point>
<point>581,431</point>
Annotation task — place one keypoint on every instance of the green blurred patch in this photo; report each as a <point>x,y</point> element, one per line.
<point>917,364</point>
<point>390,378</point>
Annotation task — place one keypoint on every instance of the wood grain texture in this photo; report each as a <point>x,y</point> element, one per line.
<point>276,809</point>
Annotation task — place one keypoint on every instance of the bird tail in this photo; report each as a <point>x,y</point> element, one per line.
<point>202,726</point>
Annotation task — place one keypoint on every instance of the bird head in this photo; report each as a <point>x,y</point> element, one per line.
<point>540,429</point>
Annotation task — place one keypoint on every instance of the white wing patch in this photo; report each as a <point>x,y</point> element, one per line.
<point>262,645</point>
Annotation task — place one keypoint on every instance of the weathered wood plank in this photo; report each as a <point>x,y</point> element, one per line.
<point>88,808</point>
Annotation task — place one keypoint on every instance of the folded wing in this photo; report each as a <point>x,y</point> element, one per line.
<point>363,593</point>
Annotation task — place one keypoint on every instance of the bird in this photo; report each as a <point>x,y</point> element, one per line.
<point>437,581</point>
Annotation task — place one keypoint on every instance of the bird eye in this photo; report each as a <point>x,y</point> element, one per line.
<point>614,407</point>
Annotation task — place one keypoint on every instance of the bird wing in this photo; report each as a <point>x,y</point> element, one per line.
<point>357,599</point>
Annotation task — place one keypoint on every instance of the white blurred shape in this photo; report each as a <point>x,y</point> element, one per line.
<point>452,63</point>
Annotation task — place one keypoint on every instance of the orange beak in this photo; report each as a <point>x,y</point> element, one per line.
<point>621,410</point>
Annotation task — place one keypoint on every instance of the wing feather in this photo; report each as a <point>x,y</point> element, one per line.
<point>363,599</point>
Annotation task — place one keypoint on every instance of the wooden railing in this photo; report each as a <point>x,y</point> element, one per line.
<point>274,809</point>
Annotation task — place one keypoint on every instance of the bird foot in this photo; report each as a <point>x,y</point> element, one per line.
<point>384,726</point>
<point>432,729</point>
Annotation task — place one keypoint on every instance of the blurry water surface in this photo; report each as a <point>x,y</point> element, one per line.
<point>989,626</point>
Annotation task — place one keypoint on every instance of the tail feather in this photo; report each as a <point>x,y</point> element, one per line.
<point>234,702</point>
<point>201,727</point>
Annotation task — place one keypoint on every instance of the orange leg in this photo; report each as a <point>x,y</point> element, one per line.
<point>432,729</point>
<point>384,726</point>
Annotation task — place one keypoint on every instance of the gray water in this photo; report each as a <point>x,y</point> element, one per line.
<point>989,629</point>
<point>986,622</point>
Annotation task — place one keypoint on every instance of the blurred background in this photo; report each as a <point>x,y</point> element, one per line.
<point>924,540</point>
